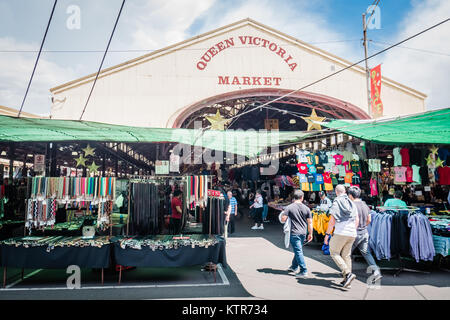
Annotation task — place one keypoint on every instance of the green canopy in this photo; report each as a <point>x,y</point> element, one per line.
<point>429,127</point>
<point>247,143</point>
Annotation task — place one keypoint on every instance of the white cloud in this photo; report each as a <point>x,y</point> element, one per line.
<point>15,74</point>
<point>300,19</point>
<point>423,71</point>
<point>160,23</point>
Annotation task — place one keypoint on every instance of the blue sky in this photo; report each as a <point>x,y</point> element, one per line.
<point>333,25</point>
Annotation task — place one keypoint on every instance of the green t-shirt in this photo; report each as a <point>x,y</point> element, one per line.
<point>395,203</point>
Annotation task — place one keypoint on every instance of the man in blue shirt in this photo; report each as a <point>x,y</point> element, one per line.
<point>232,215</point>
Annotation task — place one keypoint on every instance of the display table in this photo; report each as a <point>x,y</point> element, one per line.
<point>31,255</point>
<point>278,205</point>
<point>441,245</point>
<point>163,256</point>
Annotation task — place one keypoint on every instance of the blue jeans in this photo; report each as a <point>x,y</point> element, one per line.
<point>362,243</point>
<point>297,245</point>
<point>265,211</point>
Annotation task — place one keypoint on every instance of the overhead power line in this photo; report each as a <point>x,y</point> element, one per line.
<point>348,67</point>
<point>103,59</point>
<point>37,59</point>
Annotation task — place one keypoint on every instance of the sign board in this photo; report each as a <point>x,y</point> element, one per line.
<point>162,167</point>
<point>271,124</point>
<point>39,162</point>
<point>213,193</point>
<point>174,163</point>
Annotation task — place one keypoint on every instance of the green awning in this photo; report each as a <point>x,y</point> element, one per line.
<point>247,143</point>
<point>431,127</point>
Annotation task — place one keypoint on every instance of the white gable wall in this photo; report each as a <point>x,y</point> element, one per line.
<point>154,90</point>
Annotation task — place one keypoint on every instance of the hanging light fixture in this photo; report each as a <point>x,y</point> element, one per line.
<point>292,121</point>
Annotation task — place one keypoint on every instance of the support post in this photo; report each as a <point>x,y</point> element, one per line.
<point>369,109</point>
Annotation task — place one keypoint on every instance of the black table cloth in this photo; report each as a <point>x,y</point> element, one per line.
<point>182,257</point>
<point>58,258</point>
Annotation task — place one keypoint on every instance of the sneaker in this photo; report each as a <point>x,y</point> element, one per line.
<point>302,275</point>
<point>350,277</point>
<point>290,269</point>
<point>261,228</point>
<point>377,276</point>
<point>255,227</point>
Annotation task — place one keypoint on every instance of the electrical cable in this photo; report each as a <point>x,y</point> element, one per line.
<point>348,67</point>
<point>417,49</point>
<point>103,59</point>
<point>37,59</point>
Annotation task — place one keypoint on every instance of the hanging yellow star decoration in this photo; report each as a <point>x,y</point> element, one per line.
<point>434,150</point>
<point>88,151</point>
<point>311,118</point>
<point>430,160</point>
<point>93,168</point>
<point>81,160</point>
<point>439,163</point>
<point>217,122</point>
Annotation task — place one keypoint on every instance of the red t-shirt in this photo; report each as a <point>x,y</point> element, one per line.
<point>444,175</point>
<point>327,178</point>
<point>409,174</point>
<point>176,203</point>
<point>302,168</point>
<point>405,156</point>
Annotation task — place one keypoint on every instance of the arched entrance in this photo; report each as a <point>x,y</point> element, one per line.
<point>285,110</point>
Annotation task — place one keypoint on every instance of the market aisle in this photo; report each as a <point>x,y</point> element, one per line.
<point>259,259</point>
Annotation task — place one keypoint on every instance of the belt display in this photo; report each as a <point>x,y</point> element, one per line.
<point>144,205</point>
<point>57,241</point>
<point>164,242</point>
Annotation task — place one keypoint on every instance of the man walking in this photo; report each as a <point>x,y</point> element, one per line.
<point>301,221</point>
<point>344,218</point>
<point>362,235</point>
<point>232,212</point>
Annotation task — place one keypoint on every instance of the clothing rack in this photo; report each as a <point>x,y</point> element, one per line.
<point>401,268</point>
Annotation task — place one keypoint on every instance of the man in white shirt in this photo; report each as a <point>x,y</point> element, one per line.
<point>344,218</point>
<point>325,202</point>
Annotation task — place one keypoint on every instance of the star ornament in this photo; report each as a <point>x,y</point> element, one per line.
<point>88,151</point>
<point>217,122</point>
<point>430,160</point>
<point>93,168</point>
<point>439,163</point>
<point>312,119</point>
<point>81,161</point>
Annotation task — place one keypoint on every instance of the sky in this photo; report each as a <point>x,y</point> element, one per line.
<point>422,63</point>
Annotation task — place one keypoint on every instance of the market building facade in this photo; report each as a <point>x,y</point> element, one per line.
<point>229,69</point>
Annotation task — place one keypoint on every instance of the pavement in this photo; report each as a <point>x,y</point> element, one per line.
<point>257,263</point>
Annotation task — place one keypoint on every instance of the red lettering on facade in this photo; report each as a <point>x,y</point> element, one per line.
<point>201,65</point>
<point>256,81</point>
<point>250,81</point>
<point>273,47</point>
<point>220,46</point>
<point>213,51</point>
<point>281,52</point>
<point>229,42</point>
<point>224,80</point>
<point>246,40</point>
<point>236,81</point>
<point>243,39</point>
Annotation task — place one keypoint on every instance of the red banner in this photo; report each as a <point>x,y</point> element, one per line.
<point>213,193</point>
<point>375,92</point>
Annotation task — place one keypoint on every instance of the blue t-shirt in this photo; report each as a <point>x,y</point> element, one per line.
<point>319,178</point>
<point>233,204</point>
<point>311,168</point>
